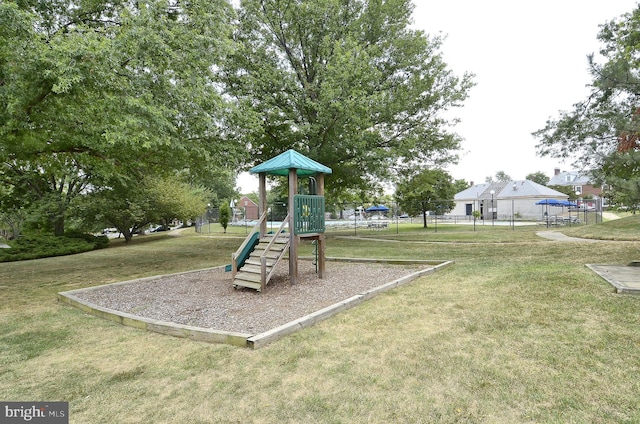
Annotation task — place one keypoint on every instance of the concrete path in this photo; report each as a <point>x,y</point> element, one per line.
<point>624,278</point>
<point>558,236</point>
<point>609,216</point>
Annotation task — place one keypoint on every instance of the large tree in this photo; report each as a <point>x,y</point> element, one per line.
<point>157,200</point>
<point>348,83</point>
<point>98,91</point>
<point>426,190</point>
<point>538,177</point>
<point>601,133</point>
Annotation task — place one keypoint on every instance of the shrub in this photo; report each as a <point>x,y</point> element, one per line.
<point>41,246</point>
<point>99,242</point>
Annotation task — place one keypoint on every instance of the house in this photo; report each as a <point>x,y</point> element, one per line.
<point>245,208</point>
<point>580,184</point>
<point>505,200</point>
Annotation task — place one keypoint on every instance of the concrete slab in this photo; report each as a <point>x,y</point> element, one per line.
<point>625,278</point>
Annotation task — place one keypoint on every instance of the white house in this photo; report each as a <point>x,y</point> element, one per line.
<point>504,200</point>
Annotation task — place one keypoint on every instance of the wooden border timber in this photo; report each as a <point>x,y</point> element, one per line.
<point>156,326</point>
<point>253,341</point>
<point>262,339</point>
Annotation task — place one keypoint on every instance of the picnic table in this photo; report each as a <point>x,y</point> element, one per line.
<point>376,225</point>
<point>559,220</point>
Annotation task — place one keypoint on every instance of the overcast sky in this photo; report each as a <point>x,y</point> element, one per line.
<point>529,61</point>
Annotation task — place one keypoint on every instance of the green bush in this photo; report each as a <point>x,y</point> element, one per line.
<point>99,242</point>
<point>41,246</point>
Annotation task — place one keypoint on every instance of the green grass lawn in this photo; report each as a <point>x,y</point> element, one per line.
<point>518,330</point>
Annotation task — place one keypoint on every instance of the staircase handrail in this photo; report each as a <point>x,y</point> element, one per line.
<point>263,258</point>
<point>237,253</point>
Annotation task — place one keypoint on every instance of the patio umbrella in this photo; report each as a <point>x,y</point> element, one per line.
<point>377,208</point>
<point>552,202</point>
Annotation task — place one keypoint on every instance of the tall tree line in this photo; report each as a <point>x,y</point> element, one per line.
<point>100,96</point>
<point>601,134</point>
<point>102,100</point>
<point>348,83</point>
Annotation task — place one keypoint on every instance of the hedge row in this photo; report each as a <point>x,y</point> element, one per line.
<point>41,246</point>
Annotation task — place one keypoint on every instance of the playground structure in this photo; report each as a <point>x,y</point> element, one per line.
<point>253,264</point>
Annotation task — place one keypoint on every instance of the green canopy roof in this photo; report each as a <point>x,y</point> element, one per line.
<point>281,164</point>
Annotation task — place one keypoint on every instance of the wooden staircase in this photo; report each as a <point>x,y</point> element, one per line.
<point>261,263</point>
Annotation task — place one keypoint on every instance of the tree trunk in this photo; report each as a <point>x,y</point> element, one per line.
<point>126,232</point>
<point>58,225</point>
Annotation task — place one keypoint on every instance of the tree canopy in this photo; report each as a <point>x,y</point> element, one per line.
<point>426,190</point>
<point>101,97</point>
<point>602,132</point>
<point>99,94</point>
<point>349,84</point>
<point>538,177</point>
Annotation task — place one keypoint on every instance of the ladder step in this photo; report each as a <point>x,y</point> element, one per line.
<point>255,268</point>
<point>247,276</point>
<point>268,237</point>
<point>248,284</point>
<point>275,245</point>
<point>259,252</point>
<point>253,260</point>
<point>268,255</point>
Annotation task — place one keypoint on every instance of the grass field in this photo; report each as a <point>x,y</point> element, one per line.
<point>518,330</point>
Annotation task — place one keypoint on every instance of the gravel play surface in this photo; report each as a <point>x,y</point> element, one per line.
<point>207,298</point>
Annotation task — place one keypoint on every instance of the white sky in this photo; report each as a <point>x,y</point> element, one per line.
<point>529,61</point>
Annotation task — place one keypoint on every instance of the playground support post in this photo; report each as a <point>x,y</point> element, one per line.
<point>293,246</point>
<point>397,218</point>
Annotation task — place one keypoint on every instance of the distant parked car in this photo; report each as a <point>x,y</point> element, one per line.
<point>160,228</point>
<point>582,208</point>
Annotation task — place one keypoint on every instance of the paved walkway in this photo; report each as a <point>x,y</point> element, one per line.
<point>558,236</point>
<point>624,278</point>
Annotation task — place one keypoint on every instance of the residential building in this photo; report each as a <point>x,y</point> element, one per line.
<point>246,208</point>
<point>505,200</point>
<point>587,195</point>
<point>579,182</point>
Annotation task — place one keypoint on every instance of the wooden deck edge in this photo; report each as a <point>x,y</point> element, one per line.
<point>382,260</point>
<point>270,336</point>
<point>241,339</point>
<point>157,326</point>
<point>397,283</point>
<point>138,280</point>
<point>263,339</point>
